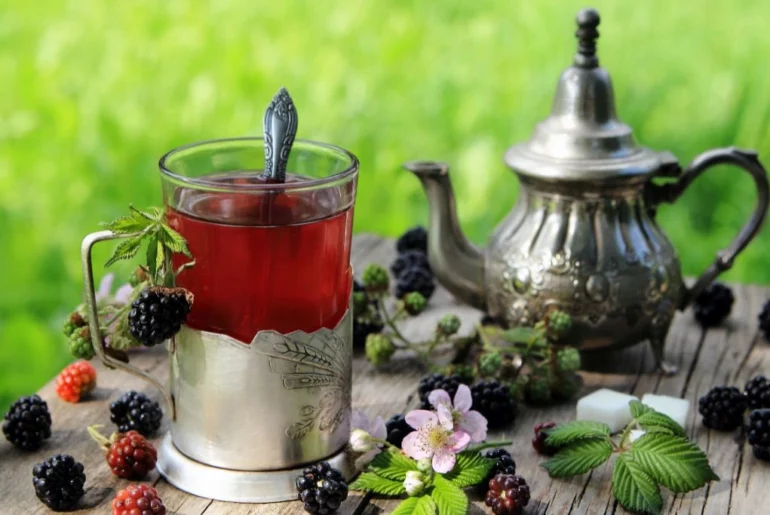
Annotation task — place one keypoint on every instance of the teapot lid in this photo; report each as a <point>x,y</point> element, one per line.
<point>582,138</point>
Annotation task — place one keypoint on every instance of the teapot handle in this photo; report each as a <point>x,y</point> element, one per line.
<point>93,319</point>
<point>748,161</point>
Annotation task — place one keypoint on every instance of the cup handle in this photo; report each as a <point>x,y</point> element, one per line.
<point>747,160</point>
<point>93,318</point>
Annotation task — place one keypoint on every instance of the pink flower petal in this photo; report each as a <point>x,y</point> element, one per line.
<point>378,429</point>
<point>474,424</point>
<point>443,462</point>
<point>459,441</point>
<point>415,446</point>
<point>105,286</point>
<point>359,420</point>
<point>439,397</point>
<point>463,399</point>
<point>420,417</point>
<point>445,417</point>
<point>123,295</point>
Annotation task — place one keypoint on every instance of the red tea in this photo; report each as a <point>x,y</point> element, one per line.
<point>275,260</point>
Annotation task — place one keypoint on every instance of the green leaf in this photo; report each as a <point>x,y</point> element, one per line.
<point>470,469</point>
<point>638,409</point>
<point>520,335</point>
<point>152,255</point>
<point>425,506</point>
<point>579,458</point>
<point>125,250</point>
<point>391,464</point>
<point>448,497</point>
<point>655,422</point>
<point>138,214</point>
<point>406,507</point>
<point>127,225</point>
<point>673,461</point>
<point>371,482</point>
<point>633,488</point>
<point>160,258</point>
<point>174,241</point>
<point>578,430</point>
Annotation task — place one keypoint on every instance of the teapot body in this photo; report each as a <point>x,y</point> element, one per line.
<point>592,250</point>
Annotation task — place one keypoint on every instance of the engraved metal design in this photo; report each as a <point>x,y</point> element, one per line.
<point>280,128</point>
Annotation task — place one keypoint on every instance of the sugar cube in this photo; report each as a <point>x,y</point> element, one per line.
<point>674,407</point>
<point>607,406</point>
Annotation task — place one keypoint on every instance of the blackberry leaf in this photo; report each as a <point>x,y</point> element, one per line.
<point>633,488</point>
<point>564,434</point>
<point>174,241</point>
<point>127,224</point>
<point>578,458</point>
<point>448,497</point>
<point>654,422</point>
<point>127,249</point>
<point>371,482</point>
<point>638,409</point>
<point>406,507</point>
<point>471,468</point>
<point>392,465</point>
<point>673,461</point>
<point>425,506</point>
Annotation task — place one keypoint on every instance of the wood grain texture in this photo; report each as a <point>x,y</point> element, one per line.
<point>731,354</point>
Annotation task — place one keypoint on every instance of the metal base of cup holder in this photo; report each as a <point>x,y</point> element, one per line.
<point>235,485</point>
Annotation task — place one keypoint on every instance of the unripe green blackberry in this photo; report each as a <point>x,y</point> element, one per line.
<point>379,349</point>
<point>80,343</point>
<point>538,389</point>
<point>376,279</point>
<point>448,325</point>
<point>74,321</point>
<point>490,363</point>
<point>137,277</point>
<point>568,360</point>
<point>414,303</point>
<point>566,386</point>
<point>558,323</point>
<point>361,303</point>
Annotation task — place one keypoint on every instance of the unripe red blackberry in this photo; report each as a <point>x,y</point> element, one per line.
<point>507,494</point>
<point>138,500</point>
<point>129,455</point>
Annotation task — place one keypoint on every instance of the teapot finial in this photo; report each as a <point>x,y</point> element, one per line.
<point>587,20</point>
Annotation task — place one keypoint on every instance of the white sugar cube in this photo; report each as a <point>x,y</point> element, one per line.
<point>674,407</point>
<point>636,434</point>
<point>607,406</point>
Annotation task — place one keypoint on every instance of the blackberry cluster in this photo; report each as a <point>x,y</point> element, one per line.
<point>131,456</point>
<point>59,482</point>
<point>411,268</point>
<point>758,393</point>
<point>366,321</point>
<point>134,411</point>
<point>759,433</point>
<point>138,500</point>
<point>764,320</point>
<point>507,494</point>
<point>722,408</point>
<point>158,314</point>
<point>541,434</point>
<point>397,429</point>
<point>713,305</point>
<point>438,382</point>
<point>27,423</point>
<point>504,463</point>
<point>321,488</point>
<point>495,402</point>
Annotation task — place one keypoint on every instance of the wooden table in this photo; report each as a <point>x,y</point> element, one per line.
<point>731,354</point>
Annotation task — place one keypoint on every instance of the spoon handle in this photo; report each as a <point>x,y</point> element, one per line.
<point>280,125</point>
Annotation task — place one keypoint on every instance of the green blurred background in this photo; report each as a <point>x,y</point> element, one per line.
<point>94,92</point>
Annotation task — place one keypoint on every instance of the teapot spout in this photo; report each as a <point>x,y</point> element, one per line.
<point>457,264</point>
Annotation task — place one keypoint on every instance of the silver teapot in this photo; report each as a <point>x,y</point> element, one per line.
<point>582,236</point>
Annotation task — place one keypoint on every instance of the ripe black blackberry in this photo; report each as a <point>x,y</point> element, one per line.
<point>415,279</point>
<point>321,488</point>
<point>397,429</point>
<point>415,238</point>
<point>59,482</point>
<point>764,320</point>
<point>507,494</point>
<point>758,431</point>
<point>409,259</point>
<point>135,411</point>
<point>504,463</point>
<point>713,305</point>
<point>158,314</point>
<point>758,393</point>
<point>722,408</point>
<point>495,402</point>
<point>27,423</point>
<point>437,382</point>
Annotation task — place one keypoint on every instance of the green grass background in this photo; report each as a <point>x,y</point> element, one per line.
<point>93,92</point>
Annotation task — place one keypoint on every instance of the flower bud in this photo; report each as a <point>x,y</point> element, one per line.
<point>413,483</point>
<point>361,441</point>
<point>425,465</point>
<point>376,279</point>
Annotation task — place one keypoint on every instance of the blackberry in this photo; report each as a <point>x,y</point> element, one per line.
<point>758,393</point>
<point>541,434</point>
<point>366,320</point>
<point>74,321</point>
<point>764,320</point>
<point>758,428</point>
<point>128,455</point>
<point>507,494</point>
<point>415,279</point>
<point>397,429</point>
<point>504,463</point>
<point>722,408</point>
<point>363,328</point>
<point>494,401</point>
<point>713,305</point>
<point>59,482</point>
<point>409,259</point>
<point>415,238</point>
<point>414,303</point>
<point>321,488</point>
<point>134,411</point>
<point>448,325</point>
<point>158,314</point>
<point>27,423</point>
<point>437,382</point>
<point>80,344</point>
<point>138,500</point>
